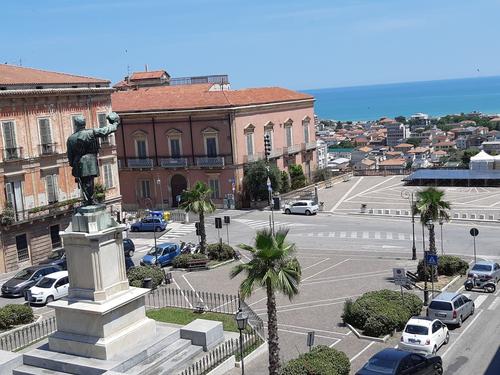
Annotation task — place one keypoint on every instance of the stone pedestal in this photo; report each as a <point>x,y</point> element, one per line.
<point>102,315</point>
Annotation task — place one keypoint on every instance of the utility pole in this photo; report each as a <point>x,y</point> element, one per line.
<point>267,152</point>
<point>405,194</point>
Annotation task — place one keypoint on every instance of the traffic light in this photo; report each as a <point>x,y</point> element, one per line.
<point>218,223</point>
<point>227,220</point>
<point>267,146</point>
<point>197,226</point>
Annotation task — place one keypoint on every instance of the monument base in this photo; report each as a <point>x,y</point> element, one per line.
<point>101,330</point>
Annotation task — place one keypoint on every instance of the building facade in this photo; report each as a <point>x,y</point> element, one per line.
<point>396,133</point>
<point>173,136</point>
<point>38,191</point>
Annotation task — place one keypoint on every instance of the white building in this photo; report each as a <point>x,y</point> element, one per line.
<point>322,152</point>
<point>396,133</point>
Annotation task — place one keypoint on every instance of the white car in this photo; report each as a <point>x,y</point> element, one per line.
<point>49,288</point>
<point>424,335</point>
<point>301,207</point>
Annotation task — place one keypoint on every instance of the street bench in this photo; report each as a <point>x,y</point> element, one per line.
<point>197,264</point>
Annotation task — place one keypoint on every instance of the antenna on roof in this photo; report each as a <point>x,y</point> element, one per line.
<point>146,67</point>
<point>20,62</point>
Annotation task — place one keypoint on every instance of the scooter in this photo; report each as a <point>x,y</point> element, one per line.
<point>475,282</point>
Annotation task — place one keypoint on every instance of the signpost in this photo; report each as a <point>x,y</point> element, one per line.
<point>400,278</point>
<point>310,339</point>
<point>431,260</point>
<point>227,221</point>
<point>474,232</point>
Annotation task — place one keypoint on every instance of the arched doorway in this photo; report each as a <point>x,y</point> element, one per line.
<point>178,183</point>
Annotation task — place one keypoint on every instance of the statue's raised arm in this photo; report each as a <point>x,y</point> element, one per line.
<point>83,148</point>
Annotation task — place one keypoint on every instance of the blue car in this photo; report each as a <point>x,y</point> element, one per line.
<point>164,252</point>
<point>149,224</point>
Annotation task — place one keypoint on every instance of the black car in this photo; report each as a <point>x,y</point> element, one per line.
<point>25,279</point>
<point>128,247</point>
<point>401,362</point>
<point>57,258</point>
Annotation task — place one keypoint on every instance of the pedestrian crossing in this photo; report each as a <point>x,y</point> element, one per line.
<point>393,236</point>
<point>181,231</point>
<point>260,224</point>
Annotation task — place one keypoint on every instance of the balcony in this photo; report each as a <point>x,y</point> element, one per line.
<point>210,162</point>
<point>294,149</point>
<point>275,153</point>
<point>40,212</point>
<point>47,149</point>
<point>173,162</point>
<point>140,163</point>
<point>253,158</point>
<point>12,153</point>
<point>310,146</point>
<point>221,79</point>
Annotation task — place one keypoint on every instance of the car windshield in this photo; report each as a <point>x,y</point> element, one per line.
<point>481,267</point>
<point>440,305</point>
<point>416,330</point>
<point>55,255</point>
<point>46,282</point>
<point>24,274</point>
<point>382,366</point>
<point>158,251</point>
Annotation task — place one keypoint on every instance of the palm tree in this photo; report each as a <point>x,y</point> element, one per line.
<point>197,200</point>
<point>274,268</point>
<point>431,207</point>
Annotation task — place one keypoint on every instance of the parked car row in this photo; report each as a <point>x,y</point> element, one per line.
<point>421,339</point>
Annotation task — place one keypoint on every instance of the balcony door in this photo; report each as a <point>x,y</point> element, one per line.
<point>178,184</point>
<point>141,148</point>
<point>45,136</point>
<point>211,145</point>
<point>9,138</point>
<point>14,195</point>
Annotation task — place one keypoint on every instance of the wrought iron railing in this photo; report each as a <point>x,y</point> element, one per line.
<point>210,161</point>
<point>310,146</point>
<point>47,149</point>
<point>140,163</point>
<point>293,149</point>
<point>12,153</point>
<point>173,162</point>
<point>221,79</point>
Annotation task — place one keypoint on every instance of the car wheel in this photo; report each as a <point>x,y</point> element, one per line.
<point>447,339</point>
<point>459,323</point>
<point>288,212</point>
<point>158,229</point>
<point>49,299</point>
<point>130,253</point>
<point>434,350</point>
<point>308,213</point>
<point>438,369</point>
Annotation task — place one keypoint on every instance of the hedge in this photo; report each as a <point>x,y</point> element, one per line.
<point>321,360</point>
<point>216,252</point>
<point>448,265</point>
<point>181,261</point>
<point>136,275</point>
<point>11,315</point>
<point>379,312</point>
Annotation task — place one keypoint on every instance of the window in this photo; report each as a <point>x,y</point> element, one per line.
<point>55,238</point>
<point>108,176</point>
<point>47,147</point>
<point>73,121</point>
<point>52,190</point>
<point>211,145</point>
<point>249,137</point>
<point>22,247</point>
<point>102,121</point>
<point>306,131</point>
<point>145,189</point>
<point>289,135</point>
<point>14,195</point>
<point>141,148</point>
<point>175,147</point>
<point>213,183</point>
<point>9,139</point>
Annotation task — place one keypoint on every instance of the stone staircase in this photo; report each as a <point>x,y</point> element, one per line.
<point>166,354</point>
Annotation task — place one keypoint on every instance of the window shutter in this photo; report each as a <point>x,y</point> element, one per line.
<point>9,134</point>
<point>50,189</point>
<point>9,192</point>
<point>108,176</point>
<point>45,133</point>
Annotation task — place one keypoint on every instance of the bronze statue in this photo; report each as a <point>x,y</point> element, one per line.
<point>83,148</point>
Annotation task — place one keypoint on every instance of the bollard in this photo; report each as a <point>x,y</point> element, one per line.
<point>147,283</point>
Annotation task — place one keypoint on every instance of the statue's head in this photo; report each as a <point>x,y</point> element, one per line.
<point>113,118</point>
<point>79,122</point>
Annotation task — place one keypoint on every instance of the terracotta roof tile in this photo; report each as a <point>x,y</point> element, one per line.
<point>393,162</point>
<point>17,75</point>
<point>403,145</point>
<point>148,75</point>
<point>198,97</point>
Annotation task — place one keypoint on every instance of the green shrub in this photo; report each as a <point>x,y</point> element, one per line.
<point>136,275</point>
<point>11,315</point>
<point>380,312</point>
<point>181,261</point>
<point>321,360</point>
<point>214,251</point>
<point>448,265</point>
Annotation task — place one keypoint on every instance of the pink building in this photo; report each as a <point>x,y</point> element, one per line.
<point>173,136</point>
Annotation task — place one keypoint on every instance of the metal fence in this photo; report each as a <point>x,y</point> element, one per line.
<point>222,352</point>
<point>24,336</point>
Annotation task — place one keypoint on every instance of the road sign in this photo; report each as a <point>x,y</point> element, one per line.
<point>399,275</point>
<point>310,339</point>
<point>431,259</point>
<point>474,232</point>
<point>218,222</point>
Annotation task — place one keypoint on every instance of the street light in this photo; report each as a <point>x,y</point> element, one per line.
<point>432,250</point>
<point>242,321</point>
<point>405,194</point>
<point>441,221</point>
<point>158,182</point>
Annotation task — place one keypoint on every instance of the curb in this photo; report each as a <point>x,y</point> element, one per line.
<point>451,283</point>
<point>369,338</point>
<point>409,216</point>
<point>221,264</point>
<point>250,357</point>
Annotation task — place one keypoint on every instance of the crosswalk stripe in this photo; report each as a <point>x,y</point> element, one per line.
<point>377,235</point>
<point>401,236</point>
<point>331,234</point>
<point>479,301</point>
<point>320,234</point>
<point>388,235</point>
<point>494,304</point>
<point>366,235</point>
<point>354,235</point>
<point>342,234</point>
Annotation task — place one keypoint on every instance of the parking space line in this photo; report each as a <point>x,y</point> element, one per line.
<point>494,304</point>
<point>346,195</point>
<point>309,302</point>
<point>480,300</point>
<point>326,269</point>
<point>315,264</point>
<point>305,307</point>
<point>305,334</point>
<point>312,329</point>
<point>362,351</point>
<point>178,287</point>
<point>352,275</point>
<point>461,334</point>
<point>345,278</point>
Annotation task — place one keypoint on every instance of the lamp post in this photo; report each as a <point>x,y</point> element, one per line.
<point>241,321</point>
<point>405,194</point>
<point>432,249</point>
<point>426,292</point>
<point>441,221</point>
<point>158,182</point>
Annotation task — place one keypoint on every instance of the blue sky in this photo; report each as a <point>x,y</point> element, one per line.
<point>295,44</point>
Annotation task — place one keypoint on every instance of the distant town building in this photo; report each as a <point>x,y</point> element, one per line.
<point>491,147</point>
<point>396,133</point>
<point>322,152</point>
<point>392,164</point>
<point>37,109</point>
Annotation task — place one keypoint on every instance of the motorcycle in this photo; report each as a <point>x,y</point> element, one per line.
<point>474,281</point>
<point>189,248</point>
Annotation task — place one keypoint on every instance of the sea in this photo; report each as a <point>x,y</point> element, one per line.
<point>436,98</point>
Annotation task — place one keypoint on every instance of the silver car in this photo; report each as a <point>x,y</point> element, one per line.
<point>486,270</point>
<point>301,207</point>
<point>450,308</point>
